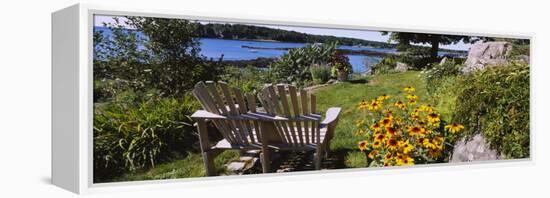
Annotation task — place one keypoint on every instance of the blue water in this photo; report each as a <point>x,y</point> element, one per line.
<point>233,50</point>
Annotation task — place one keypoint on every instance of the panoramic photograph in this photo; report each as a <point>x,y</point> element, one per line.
<point>178,98</point>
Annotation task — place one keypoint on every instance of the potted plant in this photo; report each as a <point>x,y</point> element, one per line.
<point>341,67</point>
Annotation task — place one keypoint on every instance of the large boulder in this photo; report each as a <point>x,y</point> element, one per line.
<point>401,67</point>
<point>483,54</point>
<point>475,149</point>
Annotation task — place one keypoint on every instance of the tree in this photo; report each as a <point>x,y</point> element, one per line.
<point>404,40</point>
<point>176,63</point>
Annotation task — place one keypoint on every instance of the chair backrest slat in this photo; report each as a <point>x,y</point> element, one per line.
<point>219,98</point>
<point>301,127</point>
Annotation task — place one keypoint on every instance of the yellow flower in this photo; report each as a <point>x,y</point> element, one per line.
<point>433,117</point>
<point>392,144</point>
<point>412,101</point>
<point>373,154</point>
<point>388,157</point>
<point>363,145</point>
<point>359,132</point>
<point>380,137</point>
<point>409,89</point>
<point>383,97</point>
<point>359,122</point>
<point>412,96</point>
<point>363,105</point>
<point>386,122</point>
<point>400,105</point>
<point>374,105</point>
<point>427,143</point>
<point>376,144</point>
<point>391,131</point>
<point>426,108</point>
<point>454,127</point>
<point>416,130</point>
<point>376,127</point>
<point>405,160</point>
<point>405,146</point>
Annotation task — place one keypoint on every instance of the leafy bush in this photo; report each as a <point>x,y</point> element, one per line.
<point>385,66</point>
<point>495,103</point>
<point>133,135</point>
<point>398,131</point>
<point>294,66</point>
<point>340,63</point>
<point>439,72</point>
<point>320,73</point>
<point>248,79</point>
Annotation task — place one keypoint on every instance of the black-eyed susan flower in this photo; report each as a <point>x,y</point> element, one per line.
<point>376,127</point>
<point>386,122</point>
<point>426,108</point>
<point>380,137</point>
<point>401,105</point>
<point>376,144</point>
<point>433,117</point>
<point>434,153</point>
<point>383,97</point>
<point>374,105</point>
<point>392,144</point>
<point>412,101</point>
<point>412,96</point>
<point>409,89</point>
<point>391,131</point>
<point>406,147</point>
<point>363,145</point>
<point>405,160</point>
<point>428,143</point>
<point>388,156</point>
<point>363,105</point>
<point>373,154</point>
<point>454,127</point>
<point>416,131</point>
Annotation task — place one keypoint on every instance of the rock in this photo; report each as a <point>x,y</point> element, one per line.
<point>475,149</point>
<point>485,54</point>
<point>401,67</point>
<point>443,61</point>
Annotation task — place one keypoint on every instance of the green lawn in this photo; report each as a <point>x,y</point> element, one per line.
<point>345,95</point>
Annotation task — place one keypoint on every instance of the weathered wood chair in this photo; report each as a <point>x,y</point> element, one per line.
<point>232,113</point>
<point>296,122</point>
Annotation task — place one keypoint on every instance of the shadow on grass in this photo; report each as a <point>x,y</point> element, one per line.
<point>292,161</point>
<point>359,81</point>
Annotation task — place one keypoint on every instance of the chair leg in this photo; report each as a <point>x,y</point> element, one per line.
<point>208,159</point>
<point>317,157</point>
<point>265,159</point>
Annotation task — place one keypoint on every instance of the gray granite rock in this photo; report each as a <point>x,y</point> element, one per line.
<point>401,67</point>
<point>483,54</point>
<point>475,149</point>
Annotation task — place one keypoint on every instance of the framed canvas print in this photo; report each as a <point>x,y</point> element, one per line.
<point>167,98</point>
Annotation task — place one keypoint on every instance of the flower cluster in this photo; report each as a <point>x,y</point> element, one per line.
<point>401,131</point>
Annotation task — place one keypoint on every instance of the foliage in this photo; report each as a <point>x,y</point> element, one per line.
<point>400,131</point>
<point>249,79</point>
<point>340,63</point>
<point>294,66</point>
<point>385,66</point>
<point>406,38</point>
<point>320,73</point>
<point>133,135</point>
<point>495,103</point>
<point>439,72</point>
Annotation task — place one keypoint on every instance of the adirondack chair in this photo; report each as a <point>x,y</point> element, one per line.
<point>233,115</point>
<point>297,123</point>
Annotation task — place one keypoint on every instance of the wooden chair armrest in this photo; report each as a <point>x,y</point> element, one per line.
<point>332,115</point>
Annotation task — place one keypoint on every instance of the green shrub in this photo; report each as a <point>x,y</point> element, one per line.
<point>294,66</point>
<point>320,73</point>
<point>134,135</point>
<point>248,79</point>
<point>437,74</point>
<point>385,66</point>
<point>445,95</point>
<point>495,102</point>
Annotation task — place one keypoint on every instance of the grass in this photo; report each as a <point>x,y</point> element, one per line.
<point>346,95</point>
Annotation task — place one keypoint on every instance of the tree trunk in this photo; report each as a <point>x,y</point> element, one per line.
<point>434,49</point>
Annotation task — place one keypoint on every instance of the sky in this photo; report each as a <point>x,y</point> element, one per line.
<point>360,34</point>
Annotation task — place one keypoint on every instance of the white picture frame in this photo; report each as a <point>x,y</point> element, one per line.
<point>72,104</point>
